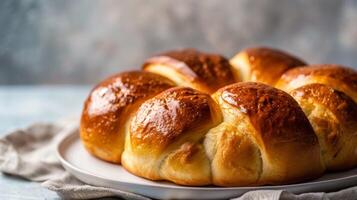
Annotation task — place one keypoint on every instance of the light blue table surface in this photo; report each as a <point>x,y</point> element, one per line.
<point>23,105</point>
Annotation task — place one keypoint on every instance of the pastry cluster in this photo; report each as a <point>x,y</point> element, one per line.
<point>264,117</point>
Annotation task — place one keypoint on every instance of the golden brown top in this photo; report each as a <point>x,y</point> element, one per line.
<point>162,119</point>
<point>337,72</point>
<point>343,107</point>
<point>267,64</point>
<point>211,69</point>
<point>275,115</point>
<point>267,56</point>
<point>110,98</point>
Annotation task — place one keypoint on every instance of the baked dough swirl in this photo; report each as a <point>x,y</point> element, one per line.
<point>263,118</point>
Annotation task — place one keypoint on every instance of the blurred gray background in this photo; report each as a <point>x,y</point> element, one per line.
<point>82,41</point>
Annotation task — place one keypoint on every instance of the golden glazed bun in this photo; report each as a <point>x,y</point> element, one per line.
<point>183,119</point>
<point>328,96</point>
<point>264,138</point>
<point>166,134</point>
<point>263,64</point>
<point>333,116</point>
<point>108,108</point>
<point>191,68</point>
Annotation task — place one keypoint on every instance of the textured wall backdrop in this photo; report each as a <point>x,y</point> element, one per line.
<point>82,41</point>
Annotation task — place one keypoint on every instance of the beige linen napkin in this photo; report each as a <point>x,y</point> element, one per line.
<point>30,154</point>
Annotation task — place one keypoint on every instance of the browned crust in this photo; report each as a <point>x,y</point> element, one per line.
<point>107,106</point>
<point>162,119</point>
<point>340,73</point>
<point>262,56</point>
<point>271,55</point>
<point>274,114</point>
<point>114,94</point>
<point>343,107</point>
<point>211,69</point>
<point>268,64</point>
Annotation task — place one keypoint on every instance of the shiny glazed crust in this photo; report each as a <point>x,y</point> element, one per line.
<point>336,76</point>
<point>184,120</point>
<point>109,106</point>
<point>263,64</point>
<point>189,67</point>
<point>165,139</point>
<point>272,125</point>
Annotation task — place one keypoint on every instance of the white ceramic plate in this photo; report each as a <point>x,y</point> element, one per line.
<point>96,172</point>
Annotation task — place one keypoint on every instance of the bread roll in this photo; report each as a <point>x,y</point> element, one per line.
<point>191,68</point>
<point>338,77</point>
<point>166,134</point>
<point>265,138</point>
<point>262,64</point>
<point>333,116</point>
<point>108,109</point>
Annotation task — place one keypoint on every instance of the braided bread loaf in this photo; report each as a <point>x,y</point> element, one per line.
<point>184,119</point>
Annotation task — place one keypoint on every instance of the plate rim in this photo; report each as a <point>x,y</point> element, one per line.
<point>70,138</point>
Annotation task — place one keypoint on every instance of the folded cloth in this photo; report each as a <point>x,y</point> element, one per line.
<point>30,154</point>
